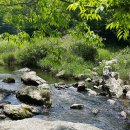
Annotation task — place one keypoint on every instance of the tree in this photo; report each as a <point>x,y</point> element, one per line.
<point>46,16</point>
<point>53,16</point>
<point>119,11</point>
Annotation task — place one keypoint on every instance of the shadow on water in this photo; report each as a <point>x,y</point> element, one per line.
<point>108,117</point>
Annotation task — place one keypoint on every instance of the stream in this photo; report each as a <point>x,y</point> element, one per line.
<point>108,118</point>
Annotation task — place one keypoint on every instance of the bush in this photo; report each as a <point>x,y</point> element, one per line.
<point>123,64</point>
<point>49,63</point>
<point>7,47</point>
<point>9,59</point>
<point>88,53</point>
<point>74,65</point>
<point>104,54</point>
<point>31,54</point>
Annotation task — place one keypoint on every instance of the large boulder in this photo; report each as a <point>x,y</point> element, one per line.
<point>113,87</point>
<point>30,78</point>
<point>39,95</point>
<point>38,124</point>
<point>19,111</point>
<point>112,83</point>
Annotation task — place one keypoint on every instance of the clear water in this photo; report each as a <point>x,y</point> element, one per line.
<point>108,118</point>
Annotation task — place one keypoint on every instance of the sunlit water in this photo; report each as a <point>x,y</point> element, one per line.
<point>108,118</point>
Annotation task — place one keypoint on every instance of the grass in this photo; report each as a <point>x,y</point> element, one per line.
<point>56,54</point>
<point>104,54</point>
<point>123,63</point>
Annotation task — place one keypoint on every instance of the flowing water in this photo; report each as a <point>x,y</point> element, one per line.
<point>108,117</point>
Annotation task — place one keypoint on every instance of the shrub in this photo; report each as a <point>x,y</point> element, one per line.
<point>88,53</point>
<point>31,54</point>
<point>9,58</point>
<point>123,64</point>
<point>7,47</point>
<point>49,63</point>
<point>104,54</point>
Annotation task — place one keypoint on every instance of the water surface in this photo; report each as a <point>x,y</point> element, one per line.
<point>108,117</point>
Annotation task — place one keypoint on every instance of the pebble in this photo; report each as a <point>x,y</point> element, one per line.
<point>77,106</point>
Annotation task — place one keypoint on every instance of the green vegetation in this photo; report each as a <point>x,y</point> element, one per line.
<point>52,54</point>
<point>104,54</point>
<point>123,65</point>
<point>65,35</point>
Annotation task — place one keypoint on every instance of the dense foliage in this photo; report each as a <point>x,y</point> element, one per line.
<point>61,35</point>
<point>117,13</point>
<point>55,17</point>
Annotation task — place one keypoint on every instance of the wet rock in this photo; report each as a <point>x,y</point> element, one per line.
<point>115,75</point>
<point>3,94</point>
<point>95,69</point>
<point>80,77</point>
<point>128,95</point>
<point>88,80</point>
<point>110,62</point>
<point>61,74</point>
<point>30,78</point>
<point>97,87</point>
<point>38,124</point>
<point>96,80</point>
<point>103,94</point>
<point>40,95</point>
<point>60,85</point>
<point>111,102</point>
<point>75,85</point>
<point>95,73</point>
<point>107,70</point>
<point>91,92</point>
<point>2,117</point>
<point>81,86</point>
<point>9,80</point>
<point>123,114</point>
<point>3,104</point>
<point>77,106</point>
<point>126,88</point>
<point>20,111</point>
<point>95,111</point>
<point>113,87</point>
<point>24,70</point>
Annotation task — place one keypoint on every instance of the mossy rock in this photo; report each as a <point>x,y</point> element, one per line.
<point>19,111</point>
<point>9,80</point>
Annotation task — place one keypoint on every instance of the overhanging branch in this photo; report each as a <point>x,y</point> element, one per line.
<point>21,3</point>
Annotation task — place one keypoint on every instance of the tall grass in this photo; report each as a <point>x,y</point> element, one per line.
<point>67,53</point>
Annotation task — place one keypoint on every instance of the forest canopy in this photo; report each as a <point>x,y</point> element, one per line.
<point>56,17</point>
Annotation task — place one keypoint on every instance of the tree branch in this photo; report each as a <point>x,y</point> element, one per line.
<point>21,3</point>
